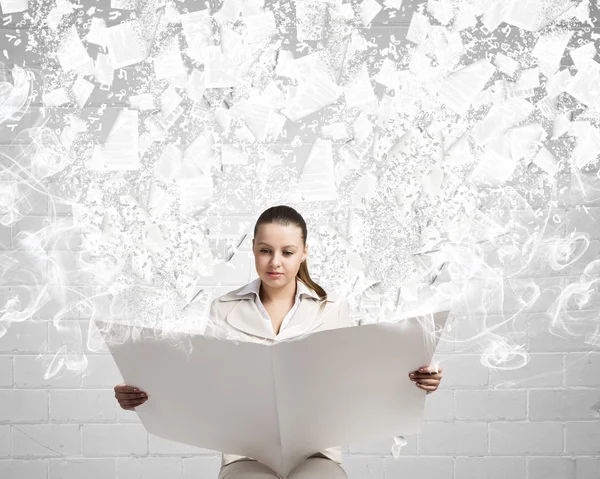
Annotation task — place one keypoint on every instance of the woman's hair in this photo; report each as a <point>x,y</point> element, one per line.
<point>286,215</point>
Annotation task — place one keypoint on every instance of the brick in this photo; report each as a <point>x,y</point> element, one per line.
<point>462,371</point>
<point>492,405</point>
<point>439,406</point>
<point>383,447</point>
<point>196,467</point>
<point>490,467</point>
<point>75,405</point>
<point>5,442</point>
<point>363,467</point>
<point>49,440</point>
<point>546,334</point>
<point>544,370</point>
<point>75,332</point>
<point>586,467</point>
<point>590,254</point>
<point>19,469</point>
<point>551,468</point>
<point>582,369</point>
<point>30,371</point>
<point>23,406</point>
<point>6,371</point>
<point>525,438</point>
<point>150,467</point>
<point>114,439</point>
<point>564,404</point>
<point>438,467</point>
<point>90,468</point>
<point>453,438</point>
<point>582,438</point>
<point>29,336</point>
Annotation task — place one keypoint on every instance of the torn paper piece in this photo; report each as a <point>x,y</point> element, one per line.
<point>465,18</point>
<point>286,65</point>
<point>317,180</point>
<point>169,163</point>
<point>396,4</point>
<point>581,55</point>
<point>55,97</point>
<point>169,101</point>
<point>229,12</point>
<point>462,87</point>
<point>13,6</point>
<point>547,107</point>
<point>305,66</point>
<point>359,92</point>
<point>557,83</point>
<point>230,155</point>
<point>587,146</point>
<point>96,32</point>
<point>549,50</point>
<point>143,101</point>
<point>388,74</point>
<point>197,28</point>
<point>368,11</point>
<point>365,188</point>
<point>315,93</point>
<point>585,85</point>
<point>103,69</point>
<point>120,151</point>
<point>546,161</point>
<point>523,139</point>
<point>195,86</point>
<point>310,19</point>
<point>82,89</point>
<point>533,15</point>
<point>506,64</point>
<point>443,12</point>
<point>125,47</point>
<point>168,62</point>
<point>493,15</point>
<point>500,117</point>
<point>201,152</point>
<point>528,79</point>
<point>159,201</point>
<point>496,165</point>
<point>72,55</point>
<point>194,194</point>
<point>336,131</point>
<point>362,128</point>
<point>561,124</point>
<point>418,29</point>
<point>219,70</point>
<point>260,27</point>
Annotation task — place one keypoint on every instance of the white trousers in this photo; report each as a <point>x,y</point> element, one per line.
<point>311,468</point>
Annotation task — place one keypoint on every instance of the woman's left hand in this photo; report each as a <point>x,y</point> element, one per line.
<point>427,378</point>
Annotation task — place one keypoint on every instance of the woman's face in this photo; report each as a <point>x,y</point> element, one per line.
<point>278,249</point>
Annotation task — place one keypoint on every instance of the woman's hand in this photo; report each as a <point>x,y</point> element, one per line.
<point>427,378</point>
<point>129,397</point>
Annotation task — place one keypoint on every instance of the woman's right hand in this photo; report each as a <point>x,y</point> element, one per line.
<point>129,397</point>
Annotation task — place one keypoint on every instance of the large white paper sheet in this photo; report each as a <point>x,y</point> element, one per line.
<point>280,403</point>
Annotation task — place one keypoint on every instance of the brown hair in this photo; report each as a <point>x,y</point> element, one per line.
<point>286,215</point>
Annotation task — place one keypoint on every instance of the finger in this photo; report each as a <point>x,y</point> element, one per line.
<point>428,382</point>
<point>426,388</point>
<point>427,376</point>
<point>128,389</point>
<point>131,395</point>
<point>126,402</point>
<point>429,370</point>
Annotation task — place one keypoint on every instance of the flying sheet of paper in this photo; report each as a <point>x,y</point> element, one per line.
<point>120,151</point>
<point>280,403</point>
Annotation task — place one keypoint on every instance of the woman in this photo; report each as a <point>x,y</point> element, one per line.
<point>283,302</point>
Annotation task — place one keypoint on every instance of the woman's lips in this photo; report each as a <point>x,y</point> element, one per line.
<point>274,275</point>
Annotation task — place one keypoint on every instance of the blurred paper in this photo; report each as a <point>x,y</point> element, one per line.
<point>280,403</point>
<point>317,181</point>
<point>461,87</point>
<point>125,46</point>
<point>585,86</point>
<point>549,50</point>
<point>13,6</point>
<point>120,151</point>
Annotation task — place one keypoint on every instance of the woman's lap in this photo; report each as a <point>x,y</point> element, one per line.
<point>311,468</point>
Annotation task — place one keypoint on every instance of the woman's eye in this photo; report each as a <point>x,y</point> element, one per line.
<point>263,250</point>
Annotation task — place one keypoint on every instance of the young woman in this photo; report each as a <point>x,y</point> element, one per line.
<point>283,302</point>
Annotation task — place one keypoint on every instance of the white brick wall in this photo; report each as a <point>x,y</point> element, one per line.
<point>540,421</point>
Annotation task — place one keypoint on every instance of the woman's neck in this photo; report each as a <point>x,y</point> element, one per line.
<point>284,294</point>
